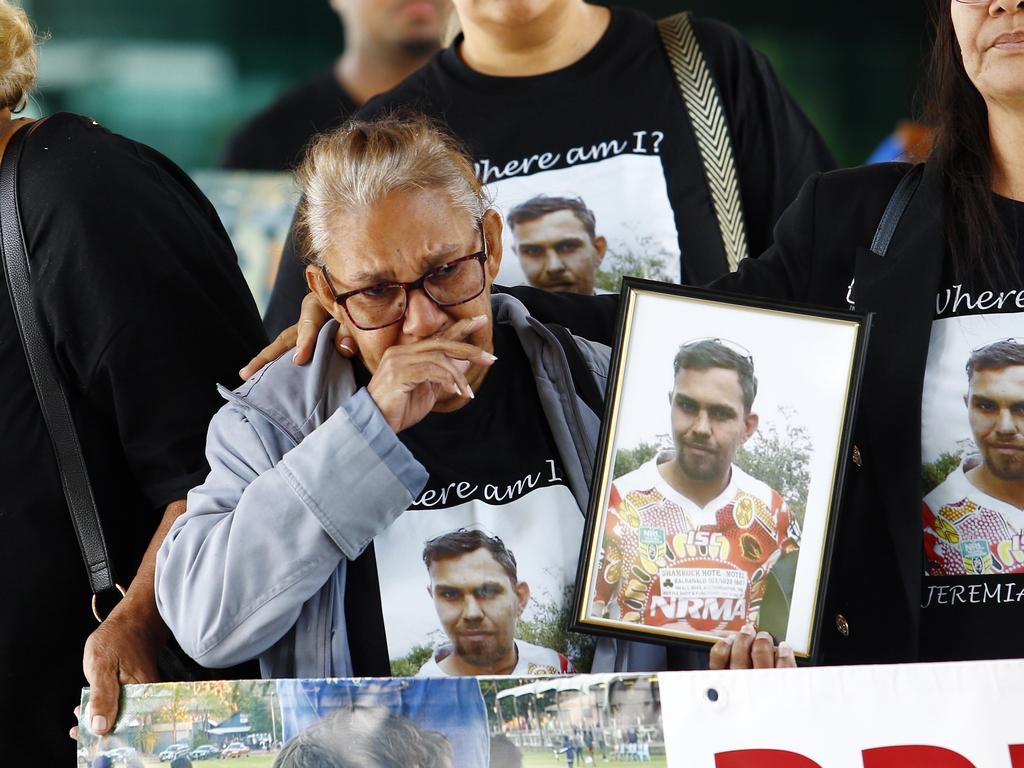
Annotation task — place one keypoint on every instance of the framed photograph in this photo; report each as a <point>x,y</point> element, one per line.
<point>720,467</point>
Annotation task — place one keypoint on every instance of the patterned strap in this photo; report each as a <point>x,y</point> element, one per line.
<point>707,116</point>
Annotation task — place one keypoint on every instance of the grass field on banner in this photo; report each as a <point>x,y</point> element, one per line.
<point>549,760</point>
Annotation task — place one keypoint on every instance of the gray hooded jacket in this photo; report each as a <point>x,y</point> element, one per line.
<point>304,473</point>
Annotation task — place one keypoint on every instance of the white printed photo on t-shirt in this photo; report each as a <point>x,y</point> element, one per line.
<point>972,446</point>
<point>498,587</point>
<point>582,228</point>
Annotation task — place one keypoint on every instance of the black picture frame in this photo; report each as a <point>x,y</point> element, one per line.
<point>794,584</point>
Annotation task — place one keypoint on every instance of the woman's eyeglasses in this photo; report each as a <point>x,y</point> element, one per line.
<point>385,304</point>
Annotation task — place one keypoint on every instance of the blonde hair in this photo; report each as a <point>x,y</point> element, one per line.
<point>18,57</point>
<point>351,169</point>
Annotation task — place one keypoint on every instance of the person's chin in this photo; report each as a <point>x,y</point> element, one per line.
<point>700,465</point>
<point>561,288</point>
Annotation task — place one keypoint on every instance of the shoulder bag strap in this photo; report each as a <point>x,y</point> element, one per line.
<point>582,379</point>
<point>707,117</point>
<point>46,378</point>
<point>891,217</point>
<point>898,203</point>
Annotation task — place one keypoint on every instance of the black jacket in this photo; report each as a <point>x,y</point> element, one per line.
<point>872,608</point>
<point>822,241</point>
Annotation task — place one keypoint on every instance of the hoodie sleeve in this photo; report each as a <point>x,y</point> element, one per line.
<point>272,523</point>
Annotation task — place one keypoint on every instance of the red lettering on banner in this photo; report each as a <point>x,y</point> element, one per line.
<point>1017,755</point>
<point>914,756</point>
<point>763,758</point>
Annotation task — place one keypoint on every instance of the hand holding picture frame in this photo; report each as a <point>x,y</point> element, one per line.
<point>720,466</point>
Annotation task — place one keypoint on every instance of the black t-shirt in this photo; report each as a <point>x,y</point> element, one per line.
<point>275,139</point>
<point>612,130</point>
<point>493,467</point>
<point>973,436</point>
<point>138,287</point>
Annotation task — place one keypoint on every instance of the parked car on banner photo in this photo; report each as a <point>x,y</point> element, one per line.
<point>205,752</point>
<point>235,749</point>
<point>120,754</point>
<point>172,751</point>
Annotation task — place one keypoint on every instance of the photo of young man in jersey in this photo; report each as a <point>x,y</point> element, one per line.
<point>479,598</point>
<point>974,520</point>
<point>688,542</point>
<point>557,243</point>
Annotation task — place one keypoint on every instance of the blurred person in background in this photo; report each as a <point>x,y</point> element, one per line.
<point>911,142</point>
<point>545,90</point>
<point>385,41</point>
<point>138,291</point>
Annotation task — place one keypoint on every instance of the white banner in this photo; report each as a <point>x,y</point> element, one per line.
<point>965,715</point>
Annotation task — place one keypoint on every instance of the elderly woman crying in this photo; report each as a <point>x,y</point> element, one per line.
<point>313,542</point>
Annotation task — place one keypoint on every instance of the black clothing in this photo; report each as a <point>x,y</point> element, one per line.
<point>448,445</point>
<point>139,289</point>
<point>275,139</point>
<point>821,243</point>
<point>603,112</point>
<point>973,597</point>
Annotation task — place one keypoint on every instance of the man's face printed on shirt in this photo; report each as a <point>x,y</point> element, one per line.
<point>709,422</point>
<point>995,404</point>
<point>557,253</point>
<point>478,605</point>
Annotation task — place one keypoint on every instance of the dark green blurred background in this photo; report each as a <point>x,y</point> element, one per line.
<point>182,75</point>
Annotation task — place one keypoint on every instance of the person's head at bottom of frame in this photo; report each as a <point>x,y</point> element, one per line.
<point>357,738</point>
<point>711,405</point>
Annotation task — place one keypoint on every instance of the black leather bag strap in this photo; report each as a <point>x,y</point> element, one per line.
<point>891,217</point>
<point>46,378</point>
<point>894,211</point>
<point>582,379</point>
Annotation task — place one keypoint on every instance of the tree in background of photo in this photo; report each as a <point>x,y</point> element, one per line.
<point>548,626</point>
<point>780,458</point>
<point>647,262</point>
<point>934,473</point>
<point>409,665</point>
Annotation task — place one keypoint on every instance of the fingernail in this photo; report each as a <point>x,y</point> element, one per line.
<point>295,356</point>
<point>785,650</point>
<point>479,318</point>
<point>344,345</point>
<point>469,389</point>
<point>748,629</point>
<point>98,723</point>
<point>242,372</point>
<point>456,390</point>
<point>489,356</point>
<point>765,636</point>
<point>729,640</point>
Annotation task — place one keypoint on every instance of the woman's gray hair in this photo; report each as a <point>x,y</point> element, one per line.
<point>18,57</point>
<point>351,169</point>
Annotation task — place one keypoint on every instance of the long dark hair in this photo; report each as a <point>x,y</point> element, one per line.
<point>977,240</point>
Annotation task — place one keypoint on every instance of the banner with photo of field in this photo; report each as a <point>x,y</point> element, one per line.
<point>909,715</point>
